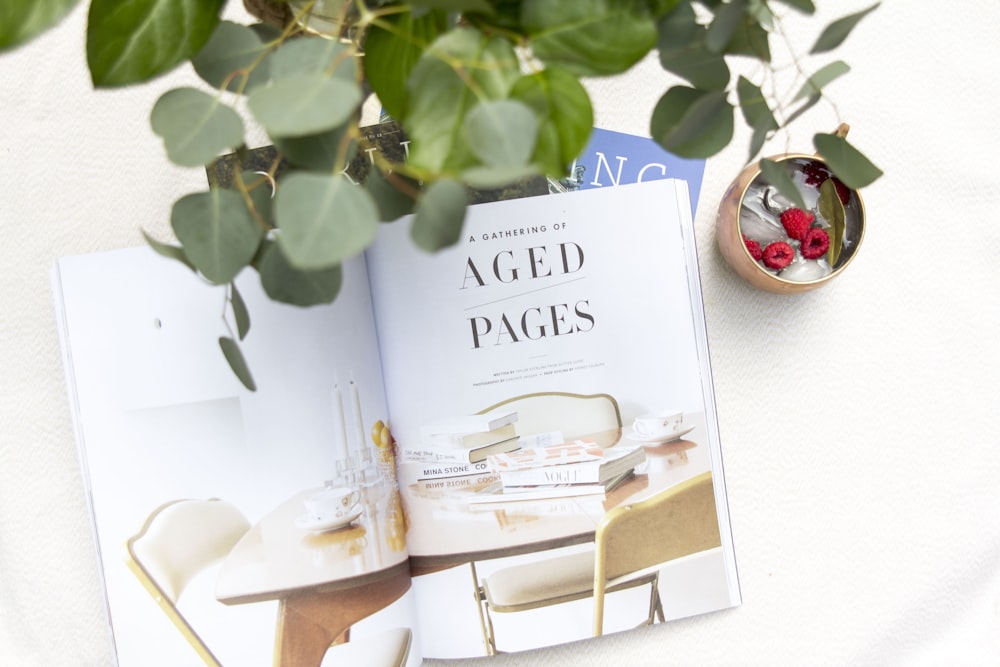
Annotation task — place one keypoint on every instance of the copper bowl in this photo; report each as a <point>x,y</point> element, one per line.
<point>745,209</point>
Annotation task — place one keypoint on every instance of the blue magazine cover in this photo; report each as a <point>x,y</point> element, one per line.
<point>615,158</point>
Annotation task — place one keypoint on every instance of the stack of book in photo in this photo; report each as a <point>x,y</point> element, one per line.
<point>458,447</point>
<point>578,468</point>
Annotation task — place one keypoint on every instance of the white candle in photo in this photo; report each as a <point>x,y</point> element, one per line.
<point>359,422</point>
<point>340,427</point>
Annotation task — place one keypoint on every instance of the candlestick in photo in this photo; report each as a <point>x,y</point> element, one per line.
<point>340,425</point>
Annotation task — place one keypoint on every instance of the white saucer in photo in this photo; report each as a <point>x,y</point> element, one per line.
<point>661,438</point>
<point>320,524</point>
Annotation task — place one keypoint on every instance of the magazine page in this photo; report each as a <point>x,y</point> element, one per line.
<point>577,318</point>
<point>289,477</point>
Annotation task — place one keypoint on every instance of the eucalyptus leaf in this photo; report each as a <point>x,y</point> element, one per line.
<point>832,210</point>
<point>130,42</point>
<point>480,6</point>
<point>847,163</point>
<point>233,58</point>
<point>195,126</point>
<point>394,195</point>
<point>325,151</point>
<point>260,187</point>
<point>726,20</point>
<point>283,282</point>
<point>777,175</point>
<point>303,104</point>
<point>218,233</point>
<point>496,177</point>
<point>756,113</point>
<point>328,57</point>
<point>835,33</point>
<point>237,362</point>
<point>589,37</point>
<point>682,51</point>
<point>804,6</point>
<point>22,20</point>
<point>826,74</point>
<point>392,47</point>
<point>564,114</point>
<point>323,220</point>
<point>750,38</point>
<point>240,312</point>
<point>440,214</point>
<point>461,68</point>
<point>168,251</point>
<point>501,132</point>
<point>692,123</point>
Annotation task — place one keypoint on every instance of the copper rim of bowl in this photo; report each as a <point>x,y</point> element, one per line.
<point>801,284</point>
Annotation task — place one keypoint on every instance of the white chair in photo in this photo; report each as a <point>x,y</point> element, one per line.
<point>631,545</point>
<point>182,538</point>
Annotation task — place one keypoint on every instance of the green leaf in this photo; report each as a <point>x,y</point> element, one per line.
<point>218,234</point>
<point>390,54</point>
<point>832,210</point>
<point>440,214</point>
<point>589,37</point>
<point>777,175</point>
<point>195,126</point>
<point>168,251</point>
<point>682,51</point>
<point>226,59</point>
<point>692,123</point>
<point>846,162</point>
<point>724,25</point>
<point>750,39</point>
<point>460,69</point>
<point>481,6</point>
<point>303,104</point>
<point>565,116</point>
<point>316,55</point>
<point>261,189</point>
<point>323,220</point>
<point>240,312</point>
<point>394,196</point>
<point>22,20</point>
<point>835,33</point>
<point>238,364</point>
<point>815,84</point>
<point>283,282</point>
<point>756,113</point>
<point>501,132</point>
<point>325,151</point>
<point>496,177</point>
<point>129,42</point>
<point>804,6</point>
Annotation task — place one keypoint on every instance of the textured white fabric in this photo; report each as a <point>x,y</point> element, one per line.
<point>859,422</point>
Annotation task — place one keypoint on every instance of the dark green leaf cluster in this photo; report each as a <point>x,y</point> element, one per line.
<point>487,91</point>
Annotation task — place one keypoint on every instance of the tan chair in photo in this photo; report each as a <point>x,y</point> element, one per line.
<point>631,544</point>
<point>574,415</point>
<point>183,537</point>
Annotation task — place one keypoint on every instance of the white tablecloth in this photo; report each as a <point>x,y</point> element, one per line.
<point>859,422</point>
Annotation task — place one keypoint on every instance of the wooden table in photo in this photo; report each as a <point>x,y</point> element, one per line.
<point>459,533</point>
<point>324,581</point>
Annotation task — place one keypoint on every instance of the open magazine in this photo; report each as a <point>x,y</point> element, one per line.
<point>569,327</point>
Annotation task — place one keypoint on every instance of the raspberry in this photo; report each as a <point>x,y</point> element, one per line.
<point>753,248</point>
<point>778,255</point>
<point>796,222</point>
<point>815,243</point>
<point>816,174</point>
